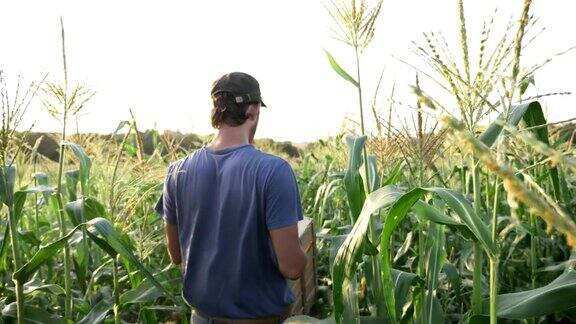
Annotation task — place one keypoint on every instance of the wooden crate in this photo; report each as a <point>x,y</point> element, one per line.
<point>304,289</point>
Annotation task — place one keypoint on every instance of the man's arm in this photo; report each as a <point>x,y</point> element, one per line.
<point>173,243</point>
<point>166,208</point>
<point>291,258</point>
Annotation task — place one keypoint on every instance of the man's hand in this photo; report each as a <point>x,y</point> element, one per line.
<point>291,258</point>
<point>173,243</point>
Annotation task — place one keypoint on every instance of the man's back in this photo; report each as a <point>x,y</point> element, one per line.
<point>224,203</point>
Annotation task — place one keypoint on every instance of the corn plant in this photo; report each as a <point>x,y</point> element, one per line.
<point>355,27</point>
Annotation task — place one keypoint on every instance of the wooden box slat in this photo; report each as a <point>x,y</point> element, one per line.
<point>304,289</point>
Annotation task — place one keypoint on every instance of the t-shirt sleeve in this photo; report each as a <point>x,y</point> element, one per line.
<point>283,206</point>
<point>165,205</point>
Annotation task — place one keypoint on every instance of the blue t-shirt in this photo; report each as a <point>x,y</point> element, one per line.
<point>224,202</point>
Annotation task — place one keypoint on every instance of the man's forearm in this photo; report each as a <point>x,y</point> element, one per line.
<point>173,243</point>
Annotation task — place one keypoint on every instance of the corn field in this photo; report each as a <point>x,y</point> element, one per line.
<point>467,215</point>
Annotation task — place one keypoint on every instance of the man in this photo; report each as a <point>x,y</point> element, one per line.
<point>231,214</point>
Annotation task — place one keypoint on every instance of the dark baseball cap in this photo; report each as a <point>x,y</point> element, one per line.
<point>242,86</point>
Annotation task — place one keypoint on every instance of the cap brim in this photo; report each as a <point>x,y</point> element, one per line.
<point>263,104</point>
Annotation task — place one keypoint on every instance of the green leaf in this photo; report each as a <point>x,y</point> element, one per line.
<point>369,248</point>
<point>433,312</point>
<point>336,67</point>
<point>533,117</point>
<point>398,211</point>
<point>530,112</point>
<point>75,211</point>
<point>34,315</point>
<point>72,178</point>
<point>93,208</point>
<point>394,175</point>
<point>37,285</point>
<point>426,212</point>
<point>87,208</point>
<point>29,237</point>
<point>120,126</point>
<point>20,198</point>
<point>436,256</point>
<point>106,230</point>
<point>351,250</point>
<point>4,248</point>
<point>42,180</point>
<point>465,212</point>
<point>525,83</point>
<point>351,312</point>
<point>44,253</point>
<point>454,279</point>
<point>373,170</point>
<point>146,292</point>
<point>352,179</point>
<point>97,226</point>
<point>557,296</point>
<point>402,283</point>
<point>98,312</point>
<point>147,316</point>
<point>7,183</point>
<point>19,201</point>
<point>85,164</point>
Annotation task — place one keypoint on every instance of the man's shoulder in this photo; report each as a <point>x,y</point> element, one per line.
<point>179,166</point>
<point>272,160</point>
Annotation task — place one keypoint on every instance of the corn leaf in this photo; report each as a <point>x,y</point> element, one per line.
<point>146,292</point>
<point>44,253</point>
<point>87,209</point>
<point>120,126</point>
<point>4,248</point>
<point>465,212</point>
<point>398,211</point>
<point>18,199</point>
<point>37,285</point>
<point>402,283</point>
<point>559,295</point>
<point>147,316</point>
<point>336,67</point>
<point>7,183</point>
<point>530,112</point>
<point>426,212</point>
<point>98,312</point>
<point>454,279</point>
<point>34,315</point>
<point>374,182</point>
<point>351,249</point>
<point>42,180</point>
<point>72,179</point>
<point>352,179</point>
<point>85,164</point>
<point>394,175</point>
<point>436,257</point>
<point>96,226</point>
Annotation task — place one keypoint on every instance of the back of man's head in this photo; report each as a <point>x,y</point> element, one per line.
<point>232,94</point>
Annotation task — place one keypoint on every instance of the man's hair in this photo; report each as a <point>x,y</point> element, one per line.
<point>225,110</point>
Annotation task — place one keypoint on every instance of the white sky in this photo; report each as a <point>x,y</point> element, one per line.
<point>160,58</point>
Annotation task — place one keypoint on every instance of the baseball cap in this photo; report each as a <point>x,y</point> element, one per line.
<point>242,86</point>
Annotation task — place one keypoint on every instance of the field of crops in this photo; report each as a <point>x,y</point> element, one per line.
<point>465,215</point>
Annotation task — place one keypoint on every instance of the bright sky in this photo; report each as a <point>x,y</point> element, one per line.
<point>160,58</point>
